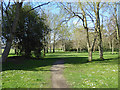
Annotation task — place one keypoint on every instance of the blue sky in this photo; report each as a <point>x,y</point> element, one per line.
<point>52,7</point>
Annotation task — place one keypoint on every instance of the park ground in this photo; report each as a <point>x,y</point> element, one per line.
<point>20,72</point>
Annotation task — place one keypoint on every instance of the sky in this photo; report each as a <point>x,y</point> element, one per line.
<point>52,7</point>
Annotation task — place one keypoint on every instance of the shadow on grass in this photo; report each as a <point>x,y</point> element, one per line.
<point>106,61</point>
<point>21,63</point>
<point>32,64</point>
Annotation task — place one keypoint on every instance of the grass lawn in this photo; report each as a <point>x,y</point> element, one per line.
<point>96,74</point>
<point>12,52</point>
<point>28,74</point>
<point>31,73</point>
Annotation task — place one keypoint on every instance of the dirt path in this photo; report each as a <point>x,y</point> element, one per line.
<point>58,80</point>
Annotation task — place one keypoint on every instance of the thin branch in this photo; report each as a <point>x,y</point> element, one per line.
<point>14,1</point>
<point>39,6</point>
<point>78,21</point>
<point>89,12</point>
<point>72,12</point>
<point>8,4</point>
<point>91,19</point>
<point>65,7</point>
<point>102,5</point>
<point>91,6</point>
<point>66,20</point>
<point>5,4</point>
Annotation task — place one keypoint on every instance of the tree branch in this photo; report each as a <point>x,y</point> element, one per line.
<point>8,5</point>
<point>39,6</point>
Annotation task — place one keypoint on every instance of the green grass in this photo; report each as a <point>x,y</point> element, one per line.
<point>96,74</point>
<point>79,73</point>
<point>11,53</point>
<point>28,74</point>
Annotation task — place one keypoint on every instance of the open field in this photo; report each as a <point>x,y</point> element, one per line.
<point>32,73</point>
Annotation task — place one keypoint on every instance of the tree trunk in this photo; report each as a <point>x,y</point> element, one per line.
<point>77,49</point>
<point>118,27</point>
<point>89,54</point>
<point>44,34</point>
<point>63,44</point>
<point>53,48</point>
<point>88,43</point>
<point>94,49</point>
<point>44,52</point>
<point>119,38</point>
<point>15,51</point>
<point>99,33</point>
<point>12,30</point>
<point>110,45</point>
<point>54,44</point>
<point>47,49</point>
<point>89,47</point>
<point>100,47</point>
<point>80,49</point>
<point>6,50</point>
<point>118,35</point>
<point>49,37</point>
<point>50,48</point>
<point>63,47</point>
<point>119,45</point>
<point>113,46</point>
<point>101,52</point>
<point>48,41</point>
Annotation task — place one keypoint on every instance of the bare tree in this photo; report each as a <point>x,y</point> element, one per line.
<point>83,17</point>
<point>79,38</point>
<point>116,8</point>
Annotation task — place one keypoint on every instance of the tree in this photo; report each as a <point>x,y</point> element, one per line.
<point>64,35</point>
<point>83,17</point>
<point>116,17</point>
<point>13,25</point>
<point>112,33</point>
<point>79,38</point>
<point>55,26</point>
<point>99,30</point>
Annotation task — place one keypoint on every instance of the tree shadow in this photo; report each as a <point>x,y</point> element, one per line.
<point>33,64</point>
<point>106,61</point>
